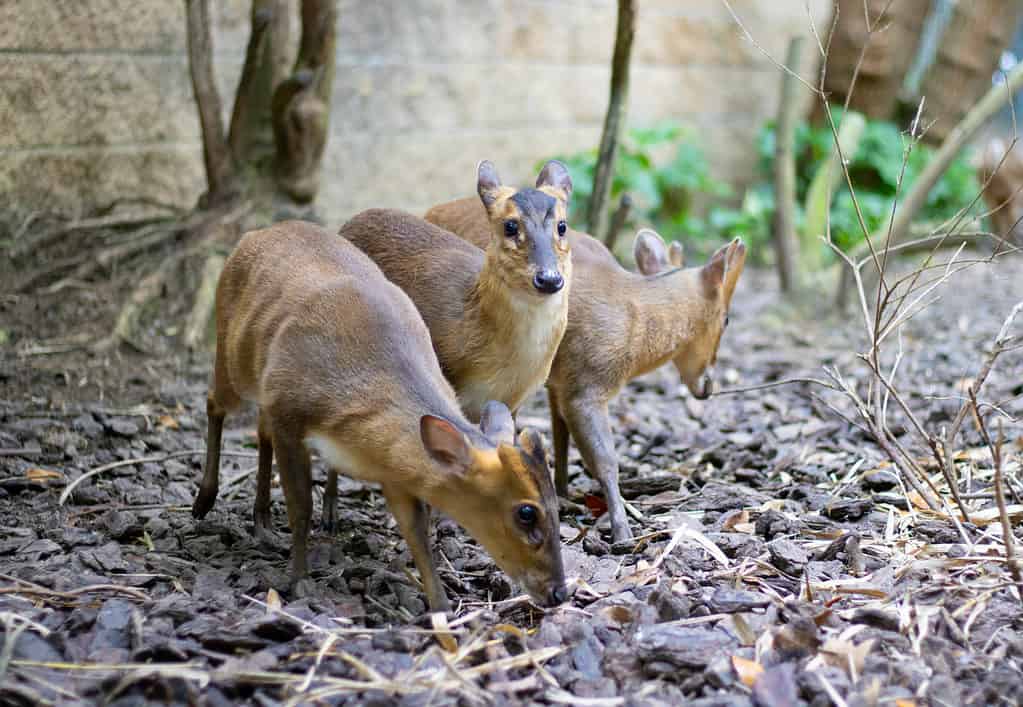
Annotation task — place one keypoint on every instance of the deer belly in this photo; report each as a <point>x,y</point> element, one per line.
<point>341,459</point>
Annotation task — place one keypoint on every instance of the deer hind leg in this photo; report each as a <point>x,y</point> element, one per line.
<point>329,520</point>
<point>590,426</point>
<point>221,398</point>
<point>261,525</point>
<point>559,433</point>
<point>295,470</point>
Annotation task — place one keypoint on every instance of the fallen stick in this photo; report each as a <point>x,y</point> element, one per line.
<point>141,460</point>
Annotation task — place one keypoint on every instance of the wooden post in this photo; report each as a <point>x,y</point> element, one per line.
<point>621,215</point>
<point>785,243</point>
<point>217,157</point>
<point>301,103</point>
<point>596,218</point>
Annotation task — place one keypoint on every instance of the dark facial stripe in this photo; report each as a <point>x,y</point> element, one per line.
<point>537,211</point>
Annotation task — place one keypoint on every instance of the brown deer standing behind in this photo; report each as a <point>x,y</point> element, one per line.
<point>497,315</point>
<point>338,359</point>
<point>622,325</point>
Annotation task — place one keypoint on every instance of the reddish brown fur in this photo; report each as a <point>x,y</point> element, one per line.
<point>621,325</point>
<point>338,358</point>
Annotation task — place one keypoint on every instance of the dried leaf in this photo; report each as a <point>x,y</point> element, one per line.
<point>168,422</point>
<point>619,614</point>
<point>747,670</point>
<point>905,703</point>
<point>737,519</point>
<point>747,636</point>
<point>847,655</point>
<point>42,475</point>
<point>443,632</point>
<point>596,504</point>
<point>273,600</point>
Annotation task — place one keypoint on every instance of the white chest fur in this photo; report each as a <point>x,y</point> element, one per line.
<point>339,458</point>
<point>519,360</point>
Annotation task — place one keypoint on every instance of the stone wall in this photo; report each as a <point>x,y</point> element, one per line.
<point>95,99</point>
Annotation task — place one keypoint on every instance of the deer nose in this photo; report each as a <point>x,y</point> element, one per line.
<point>706,388</point>
<point>548,281</point>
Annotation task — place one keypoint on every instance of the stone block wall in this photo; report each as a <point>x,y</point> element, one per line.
<point>95,99</point>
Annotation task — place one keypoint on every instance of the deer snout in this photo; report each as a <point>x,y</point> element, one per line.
<point>548,281</point>
<point>703,388</point>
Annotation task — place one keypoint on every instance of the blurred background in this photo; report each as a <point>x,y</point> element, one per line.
<point>97,102</point>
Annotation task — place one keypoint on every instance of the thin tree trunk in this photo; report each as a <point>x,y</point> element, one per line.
<point>301,104</point>
<point>614,120</point>
<point>621,215</point>
<point>872,48</point>
<point>217,157</point>
<point>968,54</point>
<point>785,243</point>
<point>266,65</point>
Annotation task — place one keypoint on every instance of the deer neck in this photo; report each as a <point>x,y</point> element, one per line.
<point>663,310</point>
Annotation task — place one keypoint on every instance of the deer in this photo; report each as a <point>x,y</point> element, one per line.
<point>339,361</point>
<point>497,312</point>
<point>622,324</point>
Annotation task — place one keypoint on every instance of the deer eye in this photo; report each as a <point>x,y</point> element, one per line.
<point>511,228</point>
<point>562,228</point>
<point>527,515</point>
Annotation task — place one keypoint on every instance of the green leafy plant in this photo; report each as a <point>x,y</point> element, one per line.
<point>666,173</point>
<point>875,167</point>
<point>662,169</point>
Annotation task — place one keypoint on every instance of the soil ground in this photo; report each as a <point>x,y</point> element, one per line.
<point>777,559</point>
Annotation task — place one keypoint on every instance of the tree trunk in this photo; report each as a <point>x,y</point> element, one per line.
<point>785,244</point>
<point>872,47</point>
<point>301,104</point>
<point>217,157</point>
<point>614,120</point>
<point>967,57</point>
<point>266,65</point>
<point>274,148</point>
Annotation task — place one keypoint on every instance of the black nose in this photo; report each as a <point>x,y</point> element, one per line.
<point>557,595</point>
<point>548,281</point>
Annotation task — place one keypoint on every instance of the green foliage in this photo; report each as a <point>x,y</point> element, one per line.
<point>882,159</point>
<point>662,169</point>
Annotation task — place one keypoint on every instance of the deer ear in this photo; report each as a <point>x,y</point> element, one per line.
<point>532,444</point>
<point>712,275</point>
<point>444,443</point>
<point>735,261</point>
<point>497,424</point>
<point>650,252</point>
<point>555,174</point>
<point>676,255</point>
<point>488,183</point>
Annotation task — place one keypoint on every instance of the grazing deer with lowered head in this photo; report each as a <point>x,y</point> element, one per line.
<point>339,360</point>
<point>621,325</point>
<point>496,313</point>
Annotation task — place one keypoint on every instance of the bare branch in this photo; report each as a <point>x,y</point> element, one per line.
<point>219,171</point>
<point>614,120</point>
<point>1008,539</point>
